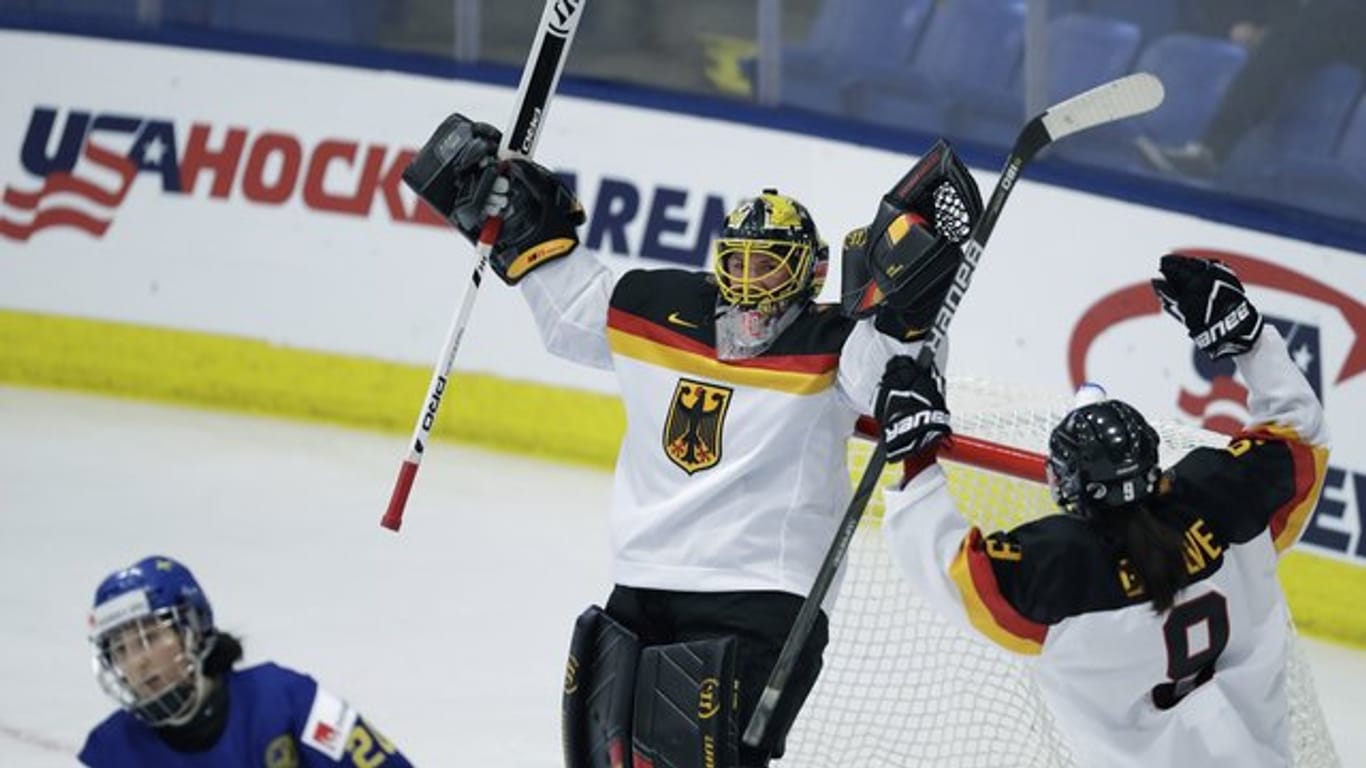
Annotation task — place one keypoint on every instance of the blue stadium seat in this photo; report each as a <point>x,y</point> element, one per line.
<point>970,54</point>
<point>1336,184</point>
<point>848,37</point>
<point>332,21</point>
<point>1307,127</point>
<point>1195,72</point>
<point>1058,8</point>
<point>1084,51</point>
<point>1154,18</point>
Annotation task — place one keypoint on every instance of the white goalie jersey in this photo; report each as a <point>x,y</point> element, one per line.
<point>1201,684</point>
<point>732,475</point>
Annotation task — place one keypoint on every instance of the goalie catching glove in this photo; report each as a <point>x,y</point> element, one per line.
<point>901,266</point>
<point>458,173</point>
<point>911,409</point>
<point>1208,298</point>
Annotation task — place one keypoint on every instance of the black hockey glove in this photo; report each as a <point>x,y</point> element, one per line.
<point>539,221</point>
<point>911,409</point>
<point>1208,298</point>
<point>457,173</point>
<point>454,171</point>
<point>902,265</point>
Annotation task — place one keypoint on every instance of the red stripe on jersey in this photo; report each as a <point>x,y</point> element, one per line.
<point>987,608</point>
<point>1310,464</point>
<point>638,326</point>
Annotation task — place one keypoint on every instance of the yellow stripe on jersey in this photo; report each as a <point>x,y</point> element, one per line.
<point>1311,466</point>
<point>695,364</point>
<point>987,609</point>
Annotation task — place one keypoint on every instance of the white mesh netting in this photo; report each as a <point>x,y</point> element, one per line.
<point>903,687</point>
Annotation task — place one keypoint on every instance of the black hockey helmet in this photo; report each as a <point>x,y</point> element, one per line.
<point>1102,456</point>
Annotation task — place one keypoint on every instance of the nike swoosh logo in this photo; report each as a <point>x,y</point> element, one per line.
<point>676,320</point>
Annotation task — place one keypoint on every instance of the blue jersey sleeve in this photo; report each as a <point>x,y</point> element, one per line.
<point>333,733</point>
<point>278,718</point>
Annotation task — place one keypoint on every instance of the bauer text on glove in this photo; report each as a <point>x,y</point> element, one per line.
<point>911,408</point>
<point>1208,298</point>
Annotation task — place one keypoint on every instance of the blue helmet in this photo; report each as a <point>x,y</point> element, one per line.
<point>152,627</point>
<point>1102,456</point>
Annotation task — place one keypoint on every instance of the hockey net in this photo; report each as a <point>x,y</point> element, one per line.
<point>903,687</point>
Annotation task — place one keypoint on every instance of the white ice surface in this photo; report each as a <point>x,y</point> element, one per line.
<point>450,636</point>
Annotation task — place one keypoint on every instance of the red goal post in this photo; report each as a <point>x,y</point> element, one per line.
<point>901,686</point>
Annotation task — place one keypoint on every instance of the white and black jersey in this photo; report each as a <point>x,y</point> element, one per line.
<point>732,475</point>
<point>1201,684</point>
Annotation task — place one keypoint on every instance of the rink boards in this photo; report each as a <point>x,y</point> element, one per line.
<point>228,230</point>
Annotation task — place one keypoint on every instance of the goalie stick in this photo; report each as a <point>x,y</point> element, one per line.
<point>1118,99</point>
<point>549,50</point>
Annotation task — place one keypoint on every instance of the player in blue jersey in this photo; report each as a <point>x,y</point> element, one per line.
<point>182,702</point>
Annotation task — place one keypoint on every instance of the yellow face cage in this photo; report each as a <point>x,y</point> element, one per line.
<point>761,273</point>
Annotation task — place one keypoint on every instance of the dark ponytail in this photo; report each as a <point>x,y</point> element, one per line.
<point>1156,551</point>
<point>227,651</point>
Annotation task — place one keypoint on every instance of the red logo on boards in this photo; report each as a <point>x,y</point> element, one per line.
<point>1138,301</point>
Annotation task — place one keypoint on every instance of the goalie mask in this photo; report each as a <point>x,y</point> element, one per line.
<point>769,263</point>
<point>151,628</point>
<point>1102,456</point>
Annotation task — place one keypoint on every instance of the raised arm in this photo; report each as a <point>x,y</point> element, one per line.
<point>568,292</point>
<point>1270,475</point>
<point>569,300</point>
<point>976,581</point>
<point>459,175</point>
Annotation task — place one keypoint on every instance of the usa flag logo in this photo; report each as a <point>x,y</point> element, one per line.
<point>81,166</point>
<point>80,185</point>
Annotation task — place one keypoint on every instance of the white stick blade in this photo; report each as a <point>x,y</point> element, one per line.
<point>1126,97</point>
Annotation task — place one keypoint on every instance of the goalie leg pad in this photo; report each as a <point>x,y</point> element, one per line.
<point>599,686</point>
<point>686,697</point>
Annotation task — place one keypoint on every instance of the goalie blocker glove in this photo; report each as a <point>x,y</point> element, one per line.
<point>911,409</point>
<point>457,172</point>
<point>1208,298</point>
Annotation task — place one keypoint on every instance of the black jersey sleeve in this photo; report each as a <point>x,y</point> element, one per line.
<point>1054,568</point>
<point>1263,480</point>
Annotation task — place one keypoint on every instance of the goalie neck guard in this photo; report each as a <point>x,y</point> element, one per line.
<point>769,263</point>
